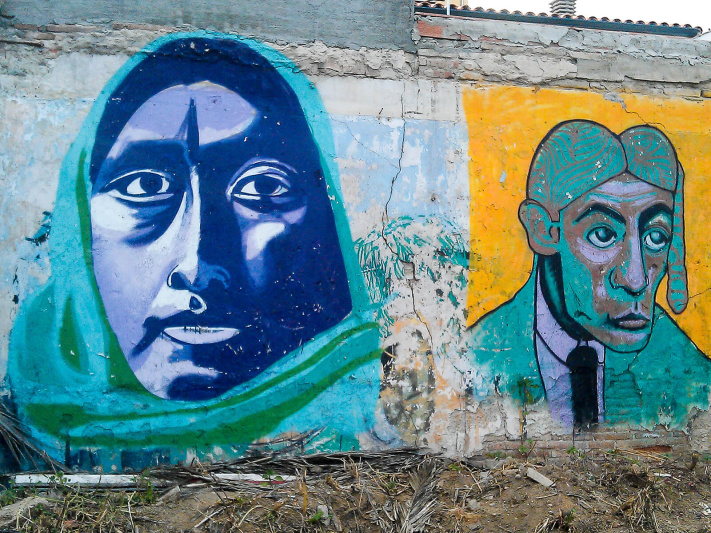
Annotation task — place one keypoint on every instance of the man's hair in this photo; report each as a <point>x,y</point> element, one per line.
<point>579,155</point>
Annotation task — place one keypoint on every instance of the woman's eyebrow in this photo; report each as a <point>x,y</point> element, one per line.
<point>653,212</point>
<point>150,154</point>
<point>600,208</point>
<point>156,155</point>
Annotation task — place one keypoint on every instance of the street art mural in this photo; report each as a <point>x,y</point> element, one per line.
<point>205,291</point>
<point>592,335</point>
<point>233,270</point>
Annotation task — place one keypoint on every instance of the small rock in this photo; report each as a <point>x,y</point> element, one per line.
<point>473,505</point>
<point>325,516</point>
<point>10,513</point>
<point>492,464</point>
<point>170,496</point>
<point>54,494</point>
<point>538,477</point>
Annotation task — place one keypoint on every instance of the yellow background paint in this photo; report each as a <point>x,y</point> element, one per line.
<point>505,126</point>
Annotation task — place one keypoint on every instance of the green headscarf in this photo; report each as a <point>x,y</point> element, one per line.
<point>73,386</point>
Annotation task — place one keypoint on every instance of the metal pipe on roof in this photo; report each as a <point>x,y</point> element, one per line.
<point>563,7</point>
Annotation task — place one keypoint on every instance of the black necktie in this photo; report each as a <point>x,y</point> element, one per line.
<point>582,363</point>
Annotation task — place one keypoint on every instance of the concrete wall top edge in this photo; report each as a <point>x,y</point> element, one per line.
<point>357,24</point>
<point>470,32</point>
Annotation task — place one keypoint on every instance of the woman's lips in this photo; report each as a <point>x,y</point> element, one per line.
<point>199,334</point>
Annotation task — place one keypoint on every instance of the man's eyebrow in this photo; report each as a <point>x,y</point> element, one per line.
<point>600,208</point>
<point>653,211</point>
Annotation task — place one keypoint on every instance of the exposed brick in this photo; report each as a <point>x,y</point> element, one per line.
<point>572,84</point>
<point>41,36</point>
<point>70,28</point>
<point>441,63</point>
<point>689,92</point>
<point>20,26</point>
<point>612,436</point>
<point>470,76</point>
<point>133,26</point>
<point>441,73</point>
<point>429,30</point>
<point>556,445</point>
<point>585,436</point>
<point>428,52</point>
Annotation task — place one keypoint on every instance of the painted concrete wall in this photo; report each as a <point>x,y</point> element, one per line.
<point>361,23</point>
<point>445,175</point>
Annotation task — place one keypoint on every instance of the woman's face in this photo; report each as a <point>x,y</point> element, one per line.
<point>214,243</point>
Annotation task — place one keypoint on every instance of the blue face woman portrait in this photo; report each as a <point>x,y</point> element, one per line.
<point>205,294</point>
<point>213,240</point>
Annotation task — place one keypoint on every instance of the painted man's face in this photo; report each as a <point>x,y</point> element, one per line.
<point>613,246</point>
<point>214,243</point>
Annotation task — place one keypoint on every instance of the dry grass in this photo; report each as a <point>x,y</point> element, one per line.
<point>395,492</point>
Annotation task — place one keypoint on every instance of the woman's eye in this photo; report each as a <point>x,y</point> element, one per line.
<point>602,237</point>
<point>258,187</point>
<point>656,240</point>
<point>142,186</point>
<point>265,186</point>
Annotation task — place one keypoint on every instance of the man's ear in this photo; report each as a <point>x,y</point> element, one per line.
<point>543,232</point>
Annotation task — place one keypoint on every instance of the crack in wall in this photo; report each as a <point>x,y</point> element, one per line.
<point>386,216</point>
<point>370,150</point>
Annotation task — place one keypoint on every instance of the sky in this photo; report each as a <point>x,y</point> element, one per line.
<point>694,12</point>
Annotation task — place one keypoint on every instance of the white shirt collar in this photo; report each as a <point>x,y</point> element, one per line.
<point>554,336</point>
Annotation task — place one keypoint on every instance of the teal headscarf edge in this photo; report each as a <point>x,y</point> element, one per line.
<point>71,288</point>
<point>316,117</point>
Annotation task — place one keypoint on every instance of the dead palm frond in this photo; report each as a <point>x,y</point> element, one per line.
<point>19,443</point>
<point>413,516</point>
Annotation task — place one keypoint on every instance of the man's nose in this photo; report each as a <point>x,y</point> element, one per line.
<point>630,274</point>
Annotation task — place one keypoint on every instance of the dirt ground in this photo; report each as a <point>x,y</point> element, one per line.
<point>404,492</point>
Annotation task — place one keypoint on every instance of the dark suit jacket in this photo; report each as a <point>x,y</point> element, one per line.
<point>661,384</point>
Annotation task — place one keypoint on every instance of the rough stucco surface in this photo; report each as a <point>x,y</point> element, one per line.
<point>361,24</point>
<point>531,53</point>
<point>402,148</point>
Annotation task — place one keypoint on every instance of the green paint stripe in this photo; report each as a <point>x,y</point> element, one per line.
<point>56,419</point>
<point>240,431</point>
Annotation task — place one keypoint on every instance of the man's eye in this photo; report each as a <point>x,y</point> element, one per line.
<point>261,187</point>
<point>656,240</point>
<point>142,186</point>
<point>602,237</point>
